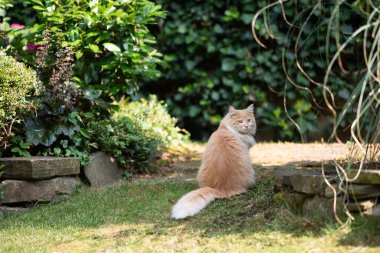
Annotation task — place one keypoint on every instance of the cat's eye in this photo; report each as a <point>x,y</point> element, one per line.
<point>240,121</point>
<point>249,120</point>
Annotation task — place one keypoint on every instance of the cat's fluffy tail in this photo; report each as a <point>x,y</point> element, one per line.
<point>194,201</point>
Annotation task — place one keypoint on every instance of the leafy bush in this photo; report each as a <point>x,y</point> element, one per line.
<point>110,40</point>
<point>154,119</point>
<point>213,61</point>
<point>87,53</point>
<point>58,126</point>
<point>17,84</point>
<point>125,140</point>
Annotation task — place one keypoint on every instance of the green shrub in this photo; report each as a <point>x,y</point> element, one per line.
<point>154,119</point>
<point>125,140</point>
<point>17,85</point>
<point>110,40</point>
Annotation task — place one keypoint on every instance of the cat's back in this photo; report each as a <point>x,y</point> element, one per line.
<point>222,148</point>
<point>225,163</point>
<point>223,140</point>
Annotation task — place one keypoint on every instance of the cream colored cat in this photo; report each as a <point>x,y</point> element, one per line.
<point>226,168</point>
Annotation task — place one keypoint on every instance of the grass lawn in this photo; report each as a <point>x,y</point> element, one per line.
<point>134,217</point>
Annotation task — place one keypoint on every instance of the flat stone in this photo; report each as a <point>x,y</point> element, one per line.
<point>374,212</point>
<point>361,205</point>
<point>308,183</point>
<point>39,167</point>
<point>355,191</point>
<point>329,193</point>
<point>282,176</point>
<point>305,180</point>
<point>292,200</point>
<point>51,190</point>
<point>103,170</point>
<point>362,191</point>
<point>365,176</point>
<point>321,208</point>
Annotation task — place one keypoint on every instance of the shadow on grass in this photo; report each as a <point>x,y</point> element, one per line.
<point>139,204</point>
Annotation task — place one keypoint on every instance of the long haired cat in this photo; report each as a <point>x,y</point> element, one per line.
<point>226,168</point>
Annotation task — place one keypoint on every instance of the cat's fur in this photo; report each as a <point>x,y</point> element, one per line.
<point>226,168</point>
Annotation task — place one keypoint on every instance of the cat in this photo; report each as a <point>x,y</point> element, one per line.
<point>226,168</point>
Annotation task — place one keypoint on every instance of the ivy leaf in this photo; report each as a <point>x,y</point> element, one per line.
<point>79,54</point>
<point>69,130</point>
<point>228,64</point>
<point>94,48</point>
<point>111,47</point>
<point>85,133</point>
<point>36,133</point>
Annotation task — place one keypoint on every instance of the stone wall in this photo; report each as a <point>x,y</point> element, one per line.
<point>303,189</point>
<point>29,180</point>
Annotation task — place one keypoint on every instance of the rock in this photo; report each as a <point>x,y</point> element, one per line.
<point>361,205</point>
<point>39,167</point>
<point>322,208</point>
<point>365,176</point>
<point>355,191</point>
<point>102,170</point>
<point>56,189</point>
<point>282,176</point>
<point>308,183</point>
<point>362,191</point>
<point>293,201</point>
<point>329,192</point>
<point>374,212</point>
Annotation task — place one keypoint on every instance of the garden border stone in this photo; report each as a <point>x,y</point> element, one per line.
<point>365,176</point>
<point>102,170</point>
<point>50,190</point>
<point>39,167</point>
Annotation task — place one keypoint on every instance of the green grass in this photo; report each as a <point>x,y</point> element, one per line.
<point>134,217</point>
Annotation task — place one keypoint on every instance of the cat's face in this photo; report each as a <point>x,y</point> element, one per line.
<point>242,120</point>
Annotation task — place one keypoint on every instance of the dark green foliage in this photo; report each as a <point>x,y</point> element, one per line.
<point>125,140</point>
<point>213,61</point>
<point>57,126</point>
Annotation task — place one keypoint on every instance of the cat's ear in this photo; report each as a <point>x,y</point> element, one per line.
<point>232,111</point>
<point>250,109</point>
